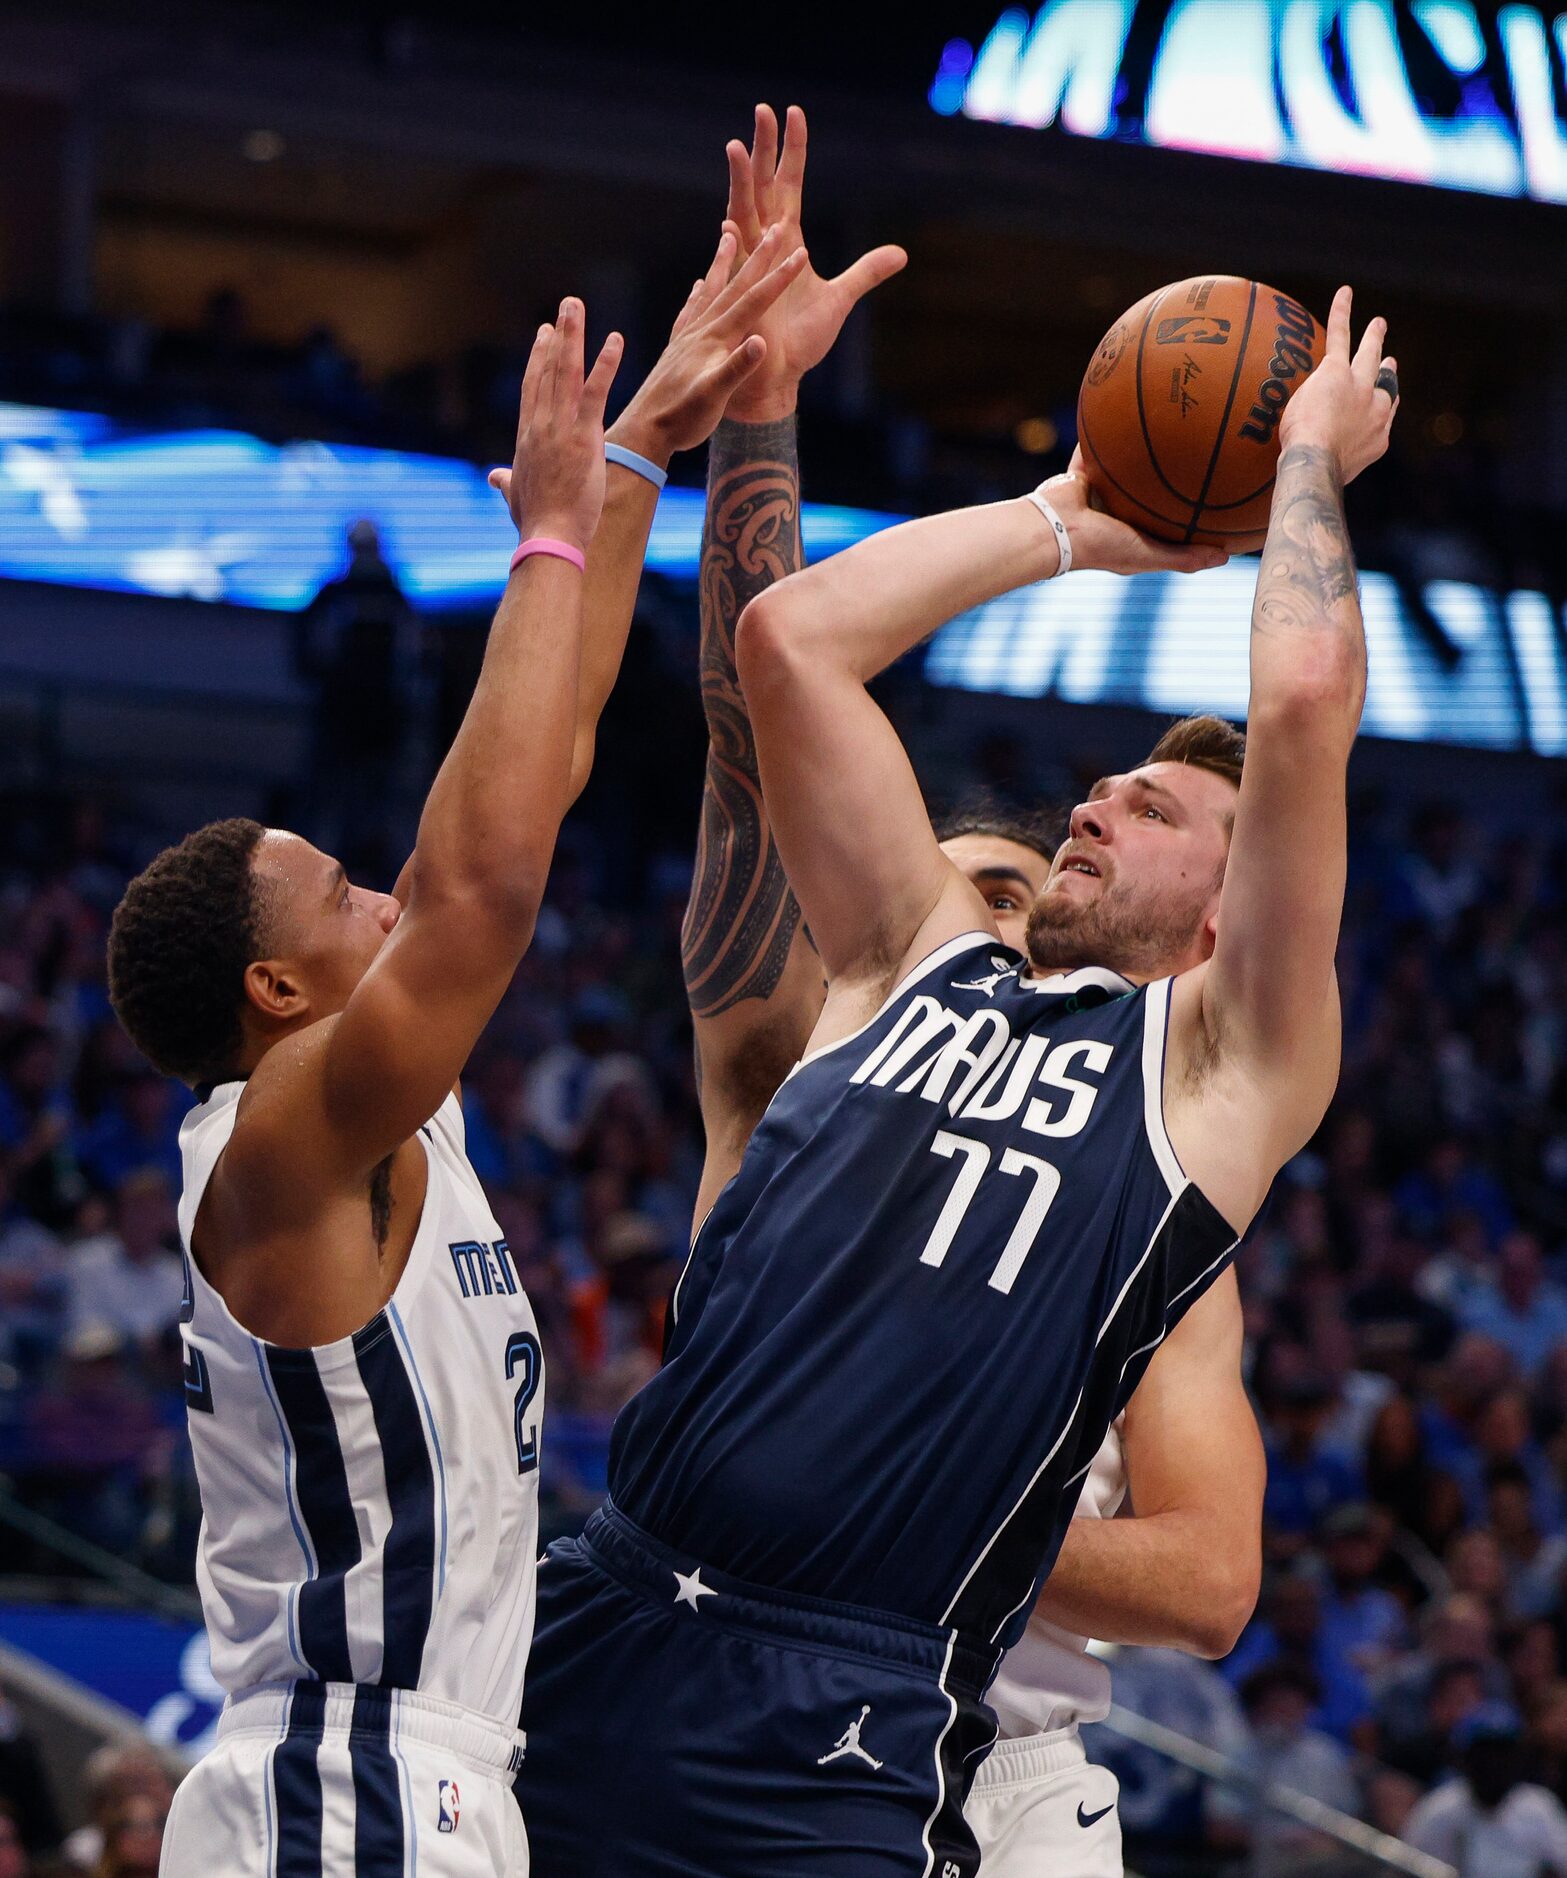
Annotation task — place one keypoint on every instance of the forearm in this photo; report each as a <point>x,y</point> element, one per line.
<point>1161,1581</point>
<point>609,598</point>
<point>742,917</point>
<point>888,593</point>
<point>494,809</point>
<point>1308,643</point>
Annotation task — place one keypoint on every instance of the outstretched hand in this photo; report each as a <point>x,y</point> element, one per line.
<point>1348,403</point>
<point>555,486</point>
<point>716,344</point>
<point>765,188</point>
<point>1099,540</point>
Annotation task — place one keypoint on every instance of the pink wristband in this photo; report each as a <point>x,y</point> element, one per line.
<point>544,544</point>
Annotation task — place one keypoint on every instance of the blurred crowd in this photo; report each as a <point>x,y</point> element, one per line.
<point>1406,1296</point>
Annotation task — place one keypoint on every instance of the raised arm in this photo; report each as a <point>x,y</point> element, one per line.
<point>1268,1000</point>
<point>752,977</point>
<point>1182,1571</point>
<point>350,1089</point>
<point>850,823</point>
<point>714,346</point>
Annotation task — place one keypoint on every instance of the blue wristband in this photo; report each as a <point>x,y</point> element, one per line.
<point>638,465</point>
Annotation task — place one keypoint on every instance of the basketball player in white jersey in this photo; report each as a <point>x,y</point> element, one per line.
<point>363,1373</point>
<point>1188,1576</point>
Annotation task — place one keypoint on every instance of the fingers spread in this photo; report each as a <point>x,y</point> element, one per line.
<point>1338,325</point>
<point>740,364</point>
<point>535,376</point>
<point>791,165</point>
<point>567,385</point>
<point>1368,353</point>
<point>762,257</point>
<point>764,162</point>
<point>596,390</point>
<point>871,270</point>
<point>756,299</point>
<point>742,194</point>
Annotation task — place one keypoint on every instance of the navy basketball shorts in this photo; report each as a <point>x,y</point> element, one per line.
<point>685,1724</point>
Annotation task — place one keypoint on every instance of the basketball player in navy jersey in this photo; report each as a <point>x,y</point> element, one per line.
<point>1188,1444</point>
<point>979,1204</point>
<point>363,1374</point>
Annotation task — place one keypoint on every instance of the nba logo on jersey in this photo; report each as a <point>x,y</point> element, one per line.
<point>447,1800</point>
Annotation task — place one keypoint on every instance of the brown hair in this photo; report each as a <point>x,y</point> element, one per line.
<point>1206,743</point>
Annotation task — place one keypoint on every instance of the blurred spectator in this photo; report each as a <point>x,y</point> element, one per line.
<point>1490,1821</point>
<point>1284,1751</point>
<point>138,1126</point>
<point>128,1793</point>
<point>93,1433</point>
<point>1421,1699</point>
<point>132,1279</point>
<point>355,645</point>
<point>1531,1562</point>
<point>1520,1308</point>
<point>1290,1630</point>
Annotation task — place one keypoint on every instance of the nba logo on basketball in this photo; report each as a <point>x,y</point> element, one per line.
<point>447,1800</point>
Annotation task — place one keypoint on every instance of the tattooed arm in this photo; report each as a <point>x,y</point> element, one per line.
<point>752,979</point>
<point>1268,1000</point>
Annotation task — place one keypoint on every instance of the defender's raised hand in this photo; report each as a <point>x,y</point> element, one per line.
<point>765,187</point>
<point>716,344</point>
<point>555,485</point>
<point>1348,403</point>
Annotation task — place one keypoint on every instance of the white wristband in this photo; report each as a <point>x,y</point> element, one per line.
<point>1063,539</point>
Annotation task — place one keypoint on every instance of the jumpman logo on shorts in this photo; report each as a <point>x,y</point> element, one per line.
<point>849,1743</point>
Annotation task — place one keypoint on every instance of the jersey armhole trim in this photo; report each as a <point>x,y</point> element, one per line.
<point>1156,1033</point>
<point>951,949</point>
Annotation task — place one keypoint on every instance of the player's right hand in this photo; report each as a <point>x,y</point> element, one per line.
<point>555,486</point>
<point>1101,541</point>
<point>1342,407</point>
<point>714,347</point>
<point>765,187</point>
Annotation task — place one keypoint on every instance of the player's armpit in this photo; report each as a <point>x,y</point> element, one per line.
<point>1183,1571</point>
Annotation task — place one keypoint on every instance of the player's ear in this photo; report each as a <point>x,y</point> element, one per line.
<point>274,990</point>
<point>1210,931</point>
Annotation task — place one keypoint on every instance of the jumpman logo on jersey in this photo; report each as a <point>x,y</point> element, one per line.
<point>849,1743</point>
<point>989,983</point>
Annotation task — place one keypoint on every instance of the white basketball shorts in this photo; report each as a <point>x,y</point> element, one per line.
<point>1039,1805</point>
<point>326,1780</point>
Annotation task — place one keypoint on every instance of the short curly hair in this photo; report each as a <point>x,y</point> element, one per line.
<point>182,935</point>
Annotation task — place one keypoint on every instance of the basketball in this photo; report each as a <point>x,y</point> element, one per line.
<point>1178,415</point>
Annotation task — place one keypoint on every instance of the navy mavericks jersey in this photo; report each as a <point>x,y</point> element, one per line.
<point>955,1240</point>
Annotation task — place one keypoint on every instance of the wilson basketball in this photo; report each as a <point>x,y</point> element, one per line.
<point>1178,415</point>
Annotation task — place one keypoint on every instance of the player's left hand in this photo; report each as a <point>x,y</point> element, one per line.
<point>765,187</point>
<point>1348,403</point>
<point>1101,541</point>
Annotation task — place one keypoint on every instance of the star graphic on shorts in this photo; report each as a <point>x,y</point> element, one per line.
<point>692,1588</point>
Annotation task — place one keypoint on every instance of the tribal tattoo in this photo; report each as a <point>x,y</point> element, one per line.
<point>1308,565</point>
<point>742,916</point>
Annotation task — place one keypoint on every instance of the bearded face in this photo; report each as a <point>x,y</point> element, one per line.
<point>1134,886</point>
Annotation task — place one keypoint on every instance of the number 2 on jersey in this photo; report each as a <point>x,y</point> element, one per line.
<point>522,1350</point>
<point>975,1156</point>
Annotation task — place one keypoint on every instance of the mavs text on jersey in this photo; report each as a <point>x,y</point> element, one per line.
<point>369,1527</point>
<point>964,1228</point>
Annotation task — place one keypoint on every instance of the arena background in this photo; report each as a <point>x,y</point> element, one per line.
<point>267,271</point>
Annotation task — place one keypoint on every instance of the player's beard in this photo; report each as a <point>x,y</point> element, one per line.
<point>1139,936</point>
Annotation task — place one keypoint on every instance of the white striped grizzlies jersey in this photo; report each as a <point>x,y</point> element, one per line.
<point>370,1506</point>
<point>955,1240</point>
<point>1048,1679</point>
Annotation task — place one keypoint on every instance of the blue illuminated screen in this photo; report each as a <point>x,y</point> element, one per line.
<point>221,516</point>
<point>1421,91</point>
